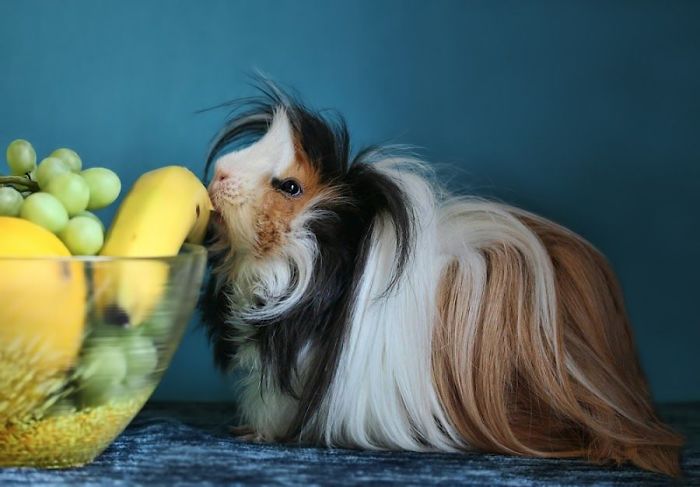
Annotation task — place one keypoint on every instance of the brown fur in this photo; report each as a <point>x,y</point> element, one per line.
<point>278,210</point>
<point>509,386</point>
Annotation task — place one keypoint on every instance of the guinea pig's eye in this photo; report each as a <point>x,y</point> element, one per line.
<point>290,187</point>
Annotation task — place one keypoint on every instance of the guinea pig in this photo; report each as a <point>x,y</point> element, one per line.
<point>366,307</point>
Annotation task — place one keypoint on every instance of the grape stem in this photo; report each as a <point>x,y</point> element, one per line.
<point>28,184</point>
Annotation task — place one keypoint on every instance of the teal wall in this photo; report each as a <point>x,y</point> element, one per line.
<point>586,112</point>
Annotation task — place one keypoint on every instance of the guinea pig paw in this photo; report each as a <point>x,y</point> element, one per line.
<point>246,433</point>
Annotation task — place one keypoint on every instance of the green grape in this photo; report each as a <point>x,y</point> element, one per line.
<point>70,157</point>
<point>21,157</point>
<point>83,236</point>
<point>105,187</point>
<point>10,201</point>
<point>71,190</point>
<point>90,214</point>
<point>44,210</point>
<point>141,356</point>
<point>94,394</point>
<point>48,169</point>
<point>101,372</point>
<point>102,363</point>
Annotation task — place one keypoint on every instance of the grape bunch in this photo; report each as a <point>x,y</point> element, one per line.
<point>116,362</point>
<point>58,194</point>
<point>120,362</point>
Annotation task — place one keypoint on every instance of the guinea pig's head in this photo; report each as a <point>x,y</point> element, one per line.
<point>262,191</point>
<point>297,221</point>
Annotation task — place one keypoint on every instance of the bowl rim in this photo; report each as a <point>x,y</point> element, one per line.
<point>188,251</point>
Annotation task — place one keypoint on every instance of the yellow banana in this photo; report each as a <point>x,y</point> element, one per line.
<point>165,208</point>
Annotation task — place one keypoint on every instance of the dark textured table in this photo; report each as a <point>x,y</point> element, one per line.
<point>188,443</point>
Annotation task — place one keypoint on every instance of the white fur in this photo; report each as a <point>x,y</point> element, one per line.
<point>259,398</point>
<point>272,155</point>
<point>240,176</point>
<point>383,391</point>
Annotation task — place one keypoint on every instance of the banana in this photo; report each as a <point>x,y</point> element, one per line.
<point>165,208</point>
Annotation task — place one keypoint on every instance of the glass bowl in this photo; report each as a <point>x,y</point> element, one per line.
<point>83,344</point>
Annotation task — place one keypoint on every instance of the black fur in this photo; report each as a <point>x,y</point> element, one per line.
<point>325,141</point>
<point>322,317</point>
<point>214,307</point>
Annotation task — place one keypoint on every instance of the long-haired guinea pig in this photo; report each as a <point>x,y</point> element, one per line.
<point>366,307</point>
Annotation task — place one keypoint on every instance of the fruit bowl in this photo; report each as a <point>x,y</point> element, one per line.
<point>74,368</point>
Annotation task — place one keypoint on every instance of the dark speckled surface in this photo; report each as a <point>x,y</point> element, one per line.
<point>188,444</point>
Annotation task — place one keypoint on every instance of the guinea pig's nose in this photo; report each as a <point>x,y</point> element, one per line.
<point>221,174</point>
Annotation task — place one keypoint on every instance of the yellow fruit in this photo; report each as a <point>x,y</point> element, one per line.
<point>42,311</point>
<point>165,208</point>
<point>40,300</point>
<point>22,238</point>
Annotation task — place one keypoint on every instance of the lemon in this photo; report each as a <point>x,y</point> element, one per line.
<point>22,238</point>
<point>42,310</point>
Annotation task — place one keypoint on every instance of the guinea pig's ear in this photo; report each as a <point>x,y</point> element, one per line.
<point>277,145</point>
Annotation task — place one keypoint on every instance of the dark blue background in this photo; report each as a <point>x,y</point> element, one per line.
<point>586,112</point>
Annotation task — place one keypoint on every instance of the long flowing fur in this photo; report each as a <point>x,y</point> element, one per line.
<point>395,316</point>
<point>533,353</point>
